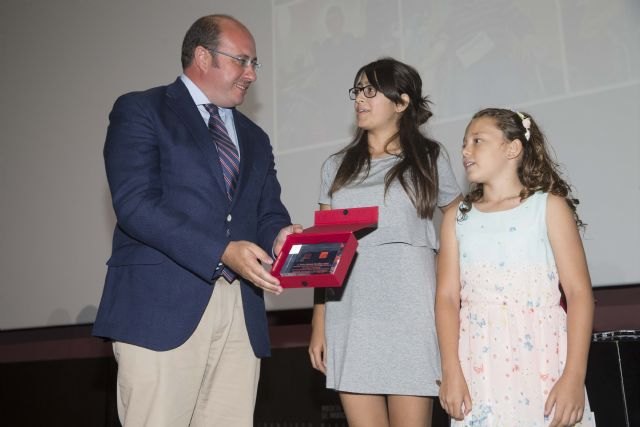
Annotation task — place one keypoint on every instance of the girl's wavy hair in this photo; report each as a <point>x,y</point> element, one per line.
<point>537,171</point>
<point>417,169</point>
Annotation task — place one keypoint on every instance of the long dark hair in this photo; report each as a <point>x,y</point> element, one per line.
<point>417,170</point>
<point>537,171</point>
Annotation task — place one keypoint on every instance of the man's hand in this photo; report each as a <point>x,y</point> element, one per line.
<point>244,258</point>
<point>282,235</point>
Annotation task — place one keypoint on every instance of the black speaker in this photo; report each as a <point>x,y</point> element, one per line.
<point>613,380</point>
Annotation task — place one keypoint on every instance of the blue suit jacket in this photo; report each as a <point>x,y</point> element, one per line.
<point>174,219</point>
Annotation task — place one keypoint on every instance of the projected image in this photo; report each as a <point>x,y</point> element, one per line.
<point>496,52</point>
<point>602,43</point>
<point>319,47</point>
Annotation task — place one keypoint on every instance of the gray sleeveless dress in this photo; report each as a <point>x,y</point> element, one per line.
<point>380,326</point>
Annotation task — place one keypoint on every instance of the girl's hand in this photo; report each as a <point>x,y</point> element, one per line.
<point>318,343</point>
<point>454,396</point>
<point>567,396</point>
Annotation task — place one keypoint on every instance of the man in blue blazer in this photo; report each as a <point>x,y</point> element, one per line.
<point>188,339</point>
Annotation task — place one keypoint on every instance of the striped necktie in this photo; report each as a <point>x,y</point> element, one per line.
<point>227,151</point>
<point>229,161</point>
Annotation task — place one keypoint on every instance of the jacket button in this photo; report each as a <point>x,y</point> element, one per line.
<point>228,233</point>
<point>229,218</point>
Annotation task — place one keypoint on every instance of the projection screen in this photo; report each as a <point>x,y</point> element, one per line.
<point>573,64</point>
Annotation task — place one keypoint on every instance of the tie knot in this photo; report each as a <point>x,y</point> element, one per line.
<point>211,109</point>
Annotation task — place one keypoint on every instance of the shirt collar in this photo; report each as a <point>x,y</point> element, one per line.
<point>198,96</point>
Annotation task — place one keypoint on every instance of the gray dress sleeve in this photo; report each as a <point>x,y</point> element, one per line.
<point>328,174</point>
<point>448,186</point>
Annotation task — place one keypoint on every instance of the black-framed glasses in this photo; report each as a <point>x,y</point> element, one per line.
<point>368,91</point>
<point>243,61</point>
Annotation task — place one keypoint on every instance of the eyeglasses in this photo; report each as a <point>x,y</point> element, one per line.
<point>368,91</point>
<point>243,61</point>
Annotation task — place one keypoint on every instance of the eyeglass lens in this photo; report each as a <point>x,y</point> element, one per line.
<point>368,91</point>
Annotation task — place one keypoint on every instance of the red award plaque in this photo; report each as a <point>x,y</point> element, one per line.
<point>320,256</point>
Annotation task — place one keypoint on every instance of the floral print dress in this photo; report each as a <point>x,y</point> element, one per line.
<point>513,330</point>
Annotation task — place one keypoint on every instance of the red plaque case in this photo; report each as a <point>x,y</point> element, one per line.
<point>320,256</point>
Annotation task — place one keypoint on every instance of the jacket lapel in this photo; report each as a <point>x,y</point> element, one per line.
<point>180,102</point>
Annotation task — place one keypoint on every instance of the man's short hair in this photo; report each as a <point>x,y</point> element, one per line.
<point>204,32</point>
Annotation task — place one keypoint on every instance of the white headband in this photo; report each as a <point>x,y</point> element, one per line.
<point>526,122</point>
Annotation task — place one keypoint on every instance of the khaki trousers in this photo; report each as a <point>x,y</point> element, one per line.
<point>210,380</point>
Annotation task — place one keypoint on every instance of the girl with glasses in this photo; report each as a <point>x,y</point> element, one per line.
<point>375,337</point>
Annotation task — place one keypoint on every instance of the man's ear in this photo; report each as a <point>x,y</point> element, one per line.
<point>514,149</point>
<point>403,104</point>
<point>202,57</point>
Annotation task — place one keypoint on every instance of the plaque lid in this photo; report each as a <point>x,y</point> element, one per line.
<point>344,220</point>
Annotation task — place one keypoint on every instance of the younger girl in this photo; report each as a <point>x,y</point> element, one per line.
<point>375,337</point>
<point>511,356</point>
